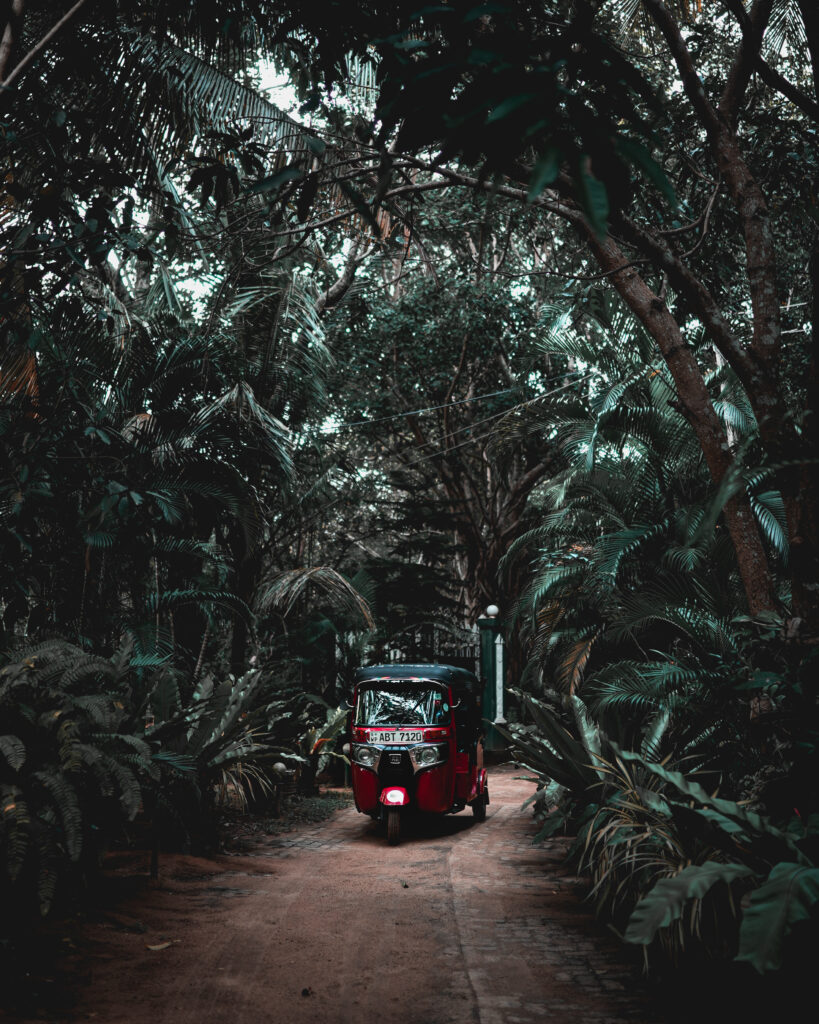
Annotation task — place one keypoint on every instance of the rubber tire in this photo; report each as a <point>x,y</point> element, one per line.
<point>479,806</point>
<point>393,826</point>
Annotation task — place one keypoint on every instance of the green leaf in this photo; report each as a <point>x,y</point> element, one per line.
<point>562,741</point>
<point>637,154</point>
<point>783,899</point>
<point>752,823</point>
<point>275,181</point>
<point>509,106</point>
<point>315,145</point>
<point>544,172</point>
<point>664,904</point>
<point>540,760</point>
<point>553,824</point>
<point>361,205</point>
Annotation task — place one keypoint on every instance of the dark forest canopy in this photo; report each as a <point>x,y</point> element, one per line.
<point>510,302</point>
<point>655,141</point>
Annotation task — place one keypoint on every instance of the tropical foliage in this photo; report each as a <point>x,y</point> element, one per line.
<point>642,641</point>
<point>513,298</point>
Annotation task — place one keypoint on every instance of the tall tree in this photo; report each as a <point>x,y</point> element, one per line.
<point>442,376</point>
<point>667,167</point>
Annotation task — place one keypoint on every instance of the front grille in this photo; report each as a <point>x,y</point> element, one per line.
<point>391,773</point>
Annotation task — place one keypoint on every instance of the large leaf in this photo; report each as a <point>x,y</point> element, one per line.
<point>557,737</point>
<point>752,823</point>
<point>538,758</point>
<point>784,898</point>
<point>665,902</point>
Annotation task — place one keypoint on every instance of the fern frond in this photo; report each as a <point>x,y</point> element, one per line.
<point>15,824</point>
<point>65,802</point>
<point>769,509</point>
<point>14,751</point>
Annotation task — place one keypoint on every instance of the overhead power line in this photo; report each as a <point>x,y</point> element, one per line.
<point>490,433</point>
<point>427,408</point>
<point>448,405</point>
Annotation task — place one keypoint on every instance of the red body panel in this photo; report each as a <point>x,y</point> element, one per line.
<point>366,788</point>
<point>462,786</point>
<point>434,789</point>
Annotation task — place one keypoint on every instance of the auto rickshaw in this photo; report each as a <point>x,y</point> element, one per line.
<point>416,743</point>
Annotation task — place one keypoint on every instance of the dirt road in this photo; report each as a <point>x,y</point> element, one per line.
<point>461,922</point>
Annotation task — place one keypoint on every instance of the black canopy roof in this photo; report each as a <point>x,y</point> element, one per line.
<point>462,681</point>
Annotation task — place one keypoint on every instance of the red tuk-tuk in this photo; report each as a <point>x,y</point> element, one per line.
<point>417,742</point>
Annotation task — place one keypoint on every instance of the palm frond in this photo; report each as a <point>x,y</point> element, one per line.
<point>284,589</point>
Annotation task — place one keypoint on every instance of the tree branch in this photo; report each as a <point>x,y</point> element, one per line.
<point>339,288</point>
<point>753,29</point>
<point>751,206</point>
<point>688,284</point>
<point>11,34</point>
<point>32,53</point>
<point>694,89</point>
<point>769,75</point>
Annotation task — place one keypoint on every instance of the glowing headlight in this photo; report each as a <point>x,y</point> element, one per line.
<point>365,756</point>
<point>394,797</point>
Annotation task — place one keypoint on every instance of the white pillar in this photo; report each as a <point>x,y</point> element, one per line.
<point>499,671</point>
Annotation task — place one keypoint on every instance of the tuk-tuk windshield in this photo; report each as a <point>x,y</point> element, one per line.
<point>402,704</point>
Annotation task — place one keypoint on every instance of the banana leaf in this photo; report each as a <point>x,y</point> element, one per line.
<point>784,898</point>
<point>665,902</point>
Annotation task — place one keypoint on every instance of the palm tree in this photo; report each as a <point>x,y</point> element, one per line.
<point>635,593</point>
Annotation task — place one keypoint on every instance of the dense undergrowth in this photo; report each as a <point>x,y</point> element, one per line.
<point>100,751</point>
<point>676,735</point>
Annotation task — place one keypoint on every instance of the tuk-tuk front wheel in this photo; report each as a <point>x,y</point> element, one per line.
<point>393,826</point>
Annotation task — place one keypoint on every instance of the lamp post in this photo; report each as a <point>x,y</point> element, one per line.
<point>492,674</point>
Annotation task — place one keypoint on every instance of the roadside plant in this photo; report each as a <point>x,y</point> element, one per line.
<point>778,867</point>
<point>317,746</point>
<point>70,770</point>
<point>673,866</point>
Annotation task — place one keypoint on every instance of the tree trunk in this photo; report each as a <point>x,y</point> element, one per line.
<point>802,495</point>
<point>698,409</point>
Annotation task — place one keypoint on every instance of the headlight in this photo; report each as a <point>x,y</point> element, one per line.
<point>423,757</point>
<point>365,756</point>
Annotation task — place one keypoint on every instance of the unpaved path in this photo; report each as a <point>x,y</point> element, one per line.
<point>461,922</point>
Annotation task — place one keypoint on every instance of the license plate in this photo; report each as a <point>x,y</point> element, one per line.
<point>398,736</point>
